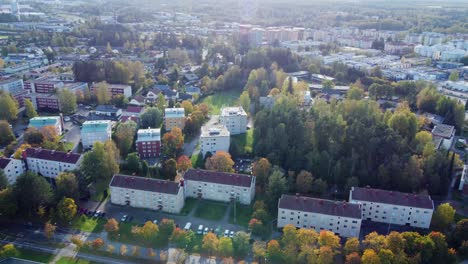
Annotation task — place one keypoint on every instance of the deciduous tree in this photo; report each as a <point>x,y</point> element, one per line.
<point>151,118</point>
<point>31,192</point>
<point>443,217</point>
<point>173,142</point>
<point>111,226</point>
<point>29,107</point>
<point>221,162</point>
<point>210,243</point>
<point>67,101</point>
<point>124,135</point>
<point>225,248</point>
<point>370,257</point>
<point>49,230</point>
<point>184,163</point>
<point>67,186</point>
<point>240,244</point>
<point>6,133</point>
<point>8,107</point>
<point>66,209</point>
<point>101,90</point>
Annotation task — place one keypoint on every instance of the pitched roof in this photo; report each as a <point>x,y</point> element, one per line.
<point>392,197</point>
<point>4,162</point>
<point>107,108</point>
<point>45,154</point>
<point>218,177</point>
<point>319,206</point>
<point>445,131</point>
<point>134,109</point>
<point>144,184</point>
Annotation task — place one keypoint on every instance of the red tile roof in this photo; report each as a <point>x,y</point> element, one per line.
<point>134,109</point>
<point>53,155</point>
<point>4,162</point>
<point>319,206</point>
<point>219,177</point>
<point>144,184</point>
<point>392,197</point>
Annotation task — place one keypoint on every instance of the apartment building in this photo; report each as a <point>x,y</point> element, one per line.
<point>12,168</point>
<point>141,192</point>
<point>174,117</point>
<point>235,119</point>
<point>44,121</point>
<point>43,86</point>
<point>44,102</point>
<point>95,131</point>
<point>116,89</point>
<point>214,138</point>
<point>50,163</point>
<point>15,87</point>
<point>393,207</point>
<point>148,143</point>
<point>342,218</point>
<point>219,186</point>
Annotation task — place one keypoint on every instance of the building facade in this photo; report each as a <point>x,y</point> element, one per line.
<point>116,89</point>
<point>174,117</point>
<point>12,168</point>
<point>95,131</point>
<point>43,86</point>
<point>393,207</point>
<point>50,163</point>
<point>214,138</point>
<point>44,102</point>
<point>342,218</point>
<point>148,143</point>
<point>141,192</point>
<point>15,87</point>
<point>44,121</point>
<point>219,186</point>
<point>235,119</point>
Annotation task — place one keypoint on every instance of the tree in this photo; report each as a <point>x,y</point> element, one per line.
<point>225,248</point>
<point>151,118</point>
<point>8,203</point>
<point>261,170</point>
<point>454,76</point>
<point>101,90</point>
<point>67,186</point>
<point>259,249</point>
<point>6,133</point>
<point>374,241</point>
<point>8,107</point>
<point>166,228</point>
<point>240,244</point>
<point>352,245</point>
<point>395,242</point>
<point>123,250</point>
<point>8,251</point>
<point>210,243</point>
<point>169,169</point>
<point>49,230</point>
<point>147,233</point>
<point>66,209</point>
<point>273,252</point>
<point>31,192</point>
<point>386,256</point>
<point>353,258</point>
<point>221,162</point>
<point>188,107</point>
<point>443,217</point>
<point>304,181</point>
<point>180,238</point>
<point>328,85</point>
<point>102,162</point>
<point>161,102</point>
<point>173,142</point>
<point>460,233</point>
<point>112,226</point>
<point>328,238</point>
<point>370,257</point>
<point>184,163</point>
<point>276,187</point>
<point>29,108</point>
<point>98,243</point>
<point>133,162</point>
<point>33,136</point>
<point>326,255</point>
<point>244,101</point>
<point>67,100</point>
<point>124,135</point>
<point>355,93</point>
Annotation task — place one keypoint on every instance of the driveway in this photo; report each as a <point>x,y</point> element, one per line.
<point>190,148</point>
<point>73,135</point>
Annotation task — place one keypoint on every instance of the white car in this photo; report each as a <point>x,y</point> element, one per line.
<point>200,229</point>
<point>206,231</point>
<point>226,233</point>
<point>67,119</point>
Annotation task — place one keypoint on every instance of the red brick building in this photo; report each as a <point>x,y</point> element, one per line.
<point>148,143</point>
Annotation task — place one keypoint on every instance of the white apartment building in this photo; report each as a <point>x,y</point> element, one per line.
<point>50,163</point>
<point>12,168</point>
<point>393,207</point>
<point>214,138</point>
<point>219,186</point>
<point>174,117</point>
<point>95,131</point>
<point>44,121</point>
<point>147,193</point>
<point>235,119</point>
<point>344,219</point>
<point>463,179</point>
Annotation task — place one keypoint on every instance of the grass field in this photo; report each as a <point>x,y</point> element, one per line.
<point>33,255</point>
<point>220,99</point>
<point>88,224</point>
<point>211,210</point>
<point>243,215</point>
<point>189,205</point>
<point>67,260</point>
<point>243,143</point>
<point>99,195</point>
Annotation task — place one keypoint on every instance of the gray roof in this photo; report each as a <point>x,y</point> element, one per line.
<point>392,197</point>
<point>445,131</point>
<point>219,177</point>
<point>144,184</point>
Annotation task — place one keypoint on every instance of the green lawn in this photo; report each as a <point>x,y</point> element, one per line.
<point>189,205</point>
<point>100,187</point>
<point>243,143</point>
<point>211,210</point>
<point>88,224</point>
<point>220,99</point>
<point>33,255</point>
<point>243,215</point>
<point>67,260</point>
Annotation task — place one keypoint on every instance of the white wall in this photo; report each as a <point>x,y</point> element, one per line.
<point>219,192</point>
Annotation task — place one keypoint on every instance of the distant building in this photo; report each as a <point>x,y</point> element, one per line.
<point>342,218</point>
<point>12,168</point>
<point>141,192</point>
<point>235,119</point>
<point>44,101</point>
<point>214,138</point>
<point>43,121</point>
<point>116,89</point>
<point>108,110</point>
<point>464,180</point>
<point>95,131</point>
<point>446,133</point>
<point>392,207</point>
<point>50,163</point>
<point>219,186</point>
<point>174,117</point>
<point>43,86</point>
<point>192,90</point>
<point>15,87</point>
<point>148,143</point>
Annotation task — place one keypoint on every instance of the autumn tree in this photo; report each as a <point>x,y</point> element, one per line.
<point>353,258</point>
<point>98,243</point>
<point>6,133</point>
<point>166,228</point>
<point>188,107</point>
<point>221,162</point>
<point>112,226</point>
<point>261,170</point>
<point>273,252</point>
<point>102,162</point>
<point>67,101</point>
<point>374,241</point>
<point>169,169</point>
<point>259,249</point>
<point>240,244</point>
<point>244,101</point>
<point>152,117</point>
<point>210,243</point>
<point>30,112</point>
<point>443,217</point>
<point>49,230</point>
<point>326,255</point>
<point>147,233</point>
<point>66,209</point>
<point>101,90</point>
<point>184,163</point>
<point>173,142</point>
<point>304,181</point>
<point>67,186</point>
<point>225,248</point>
<point>8,251</point>
<point>33,136</point>
<point>180,238</point>
<point>8,107</point>
<point>124,135</point>
<point>328,238</point>
<point>352,245</point>
<point>370,257</point>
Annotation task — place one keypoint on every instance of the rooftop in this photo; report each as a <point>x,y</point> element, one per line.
<point>7,81</point>
<point>219,177</point>
<point>319,206</point>
<point>107,108</point>
<point>214,131</point>
<point>53,155</point>
<point>95,126</point>
<point>174,112</point>
<point>392,197</point>
<point>233,111</point>
<point>445,131</point>
<point>144,184</point>
<point>134,109</point>
<point>4,162</point>
<point>43,121</point>
<point>149,134</point>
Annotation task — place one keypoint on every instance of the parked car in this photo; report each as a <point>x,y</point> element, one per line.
<point>187,226</point>
<point>124,218</point>
<point>200,229</point>
<point>231,234</point>
<point>206,231</point>
<point>155,222</point>
<point>66,119</point>
<point>226,233</point>
<point>97,213</point>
